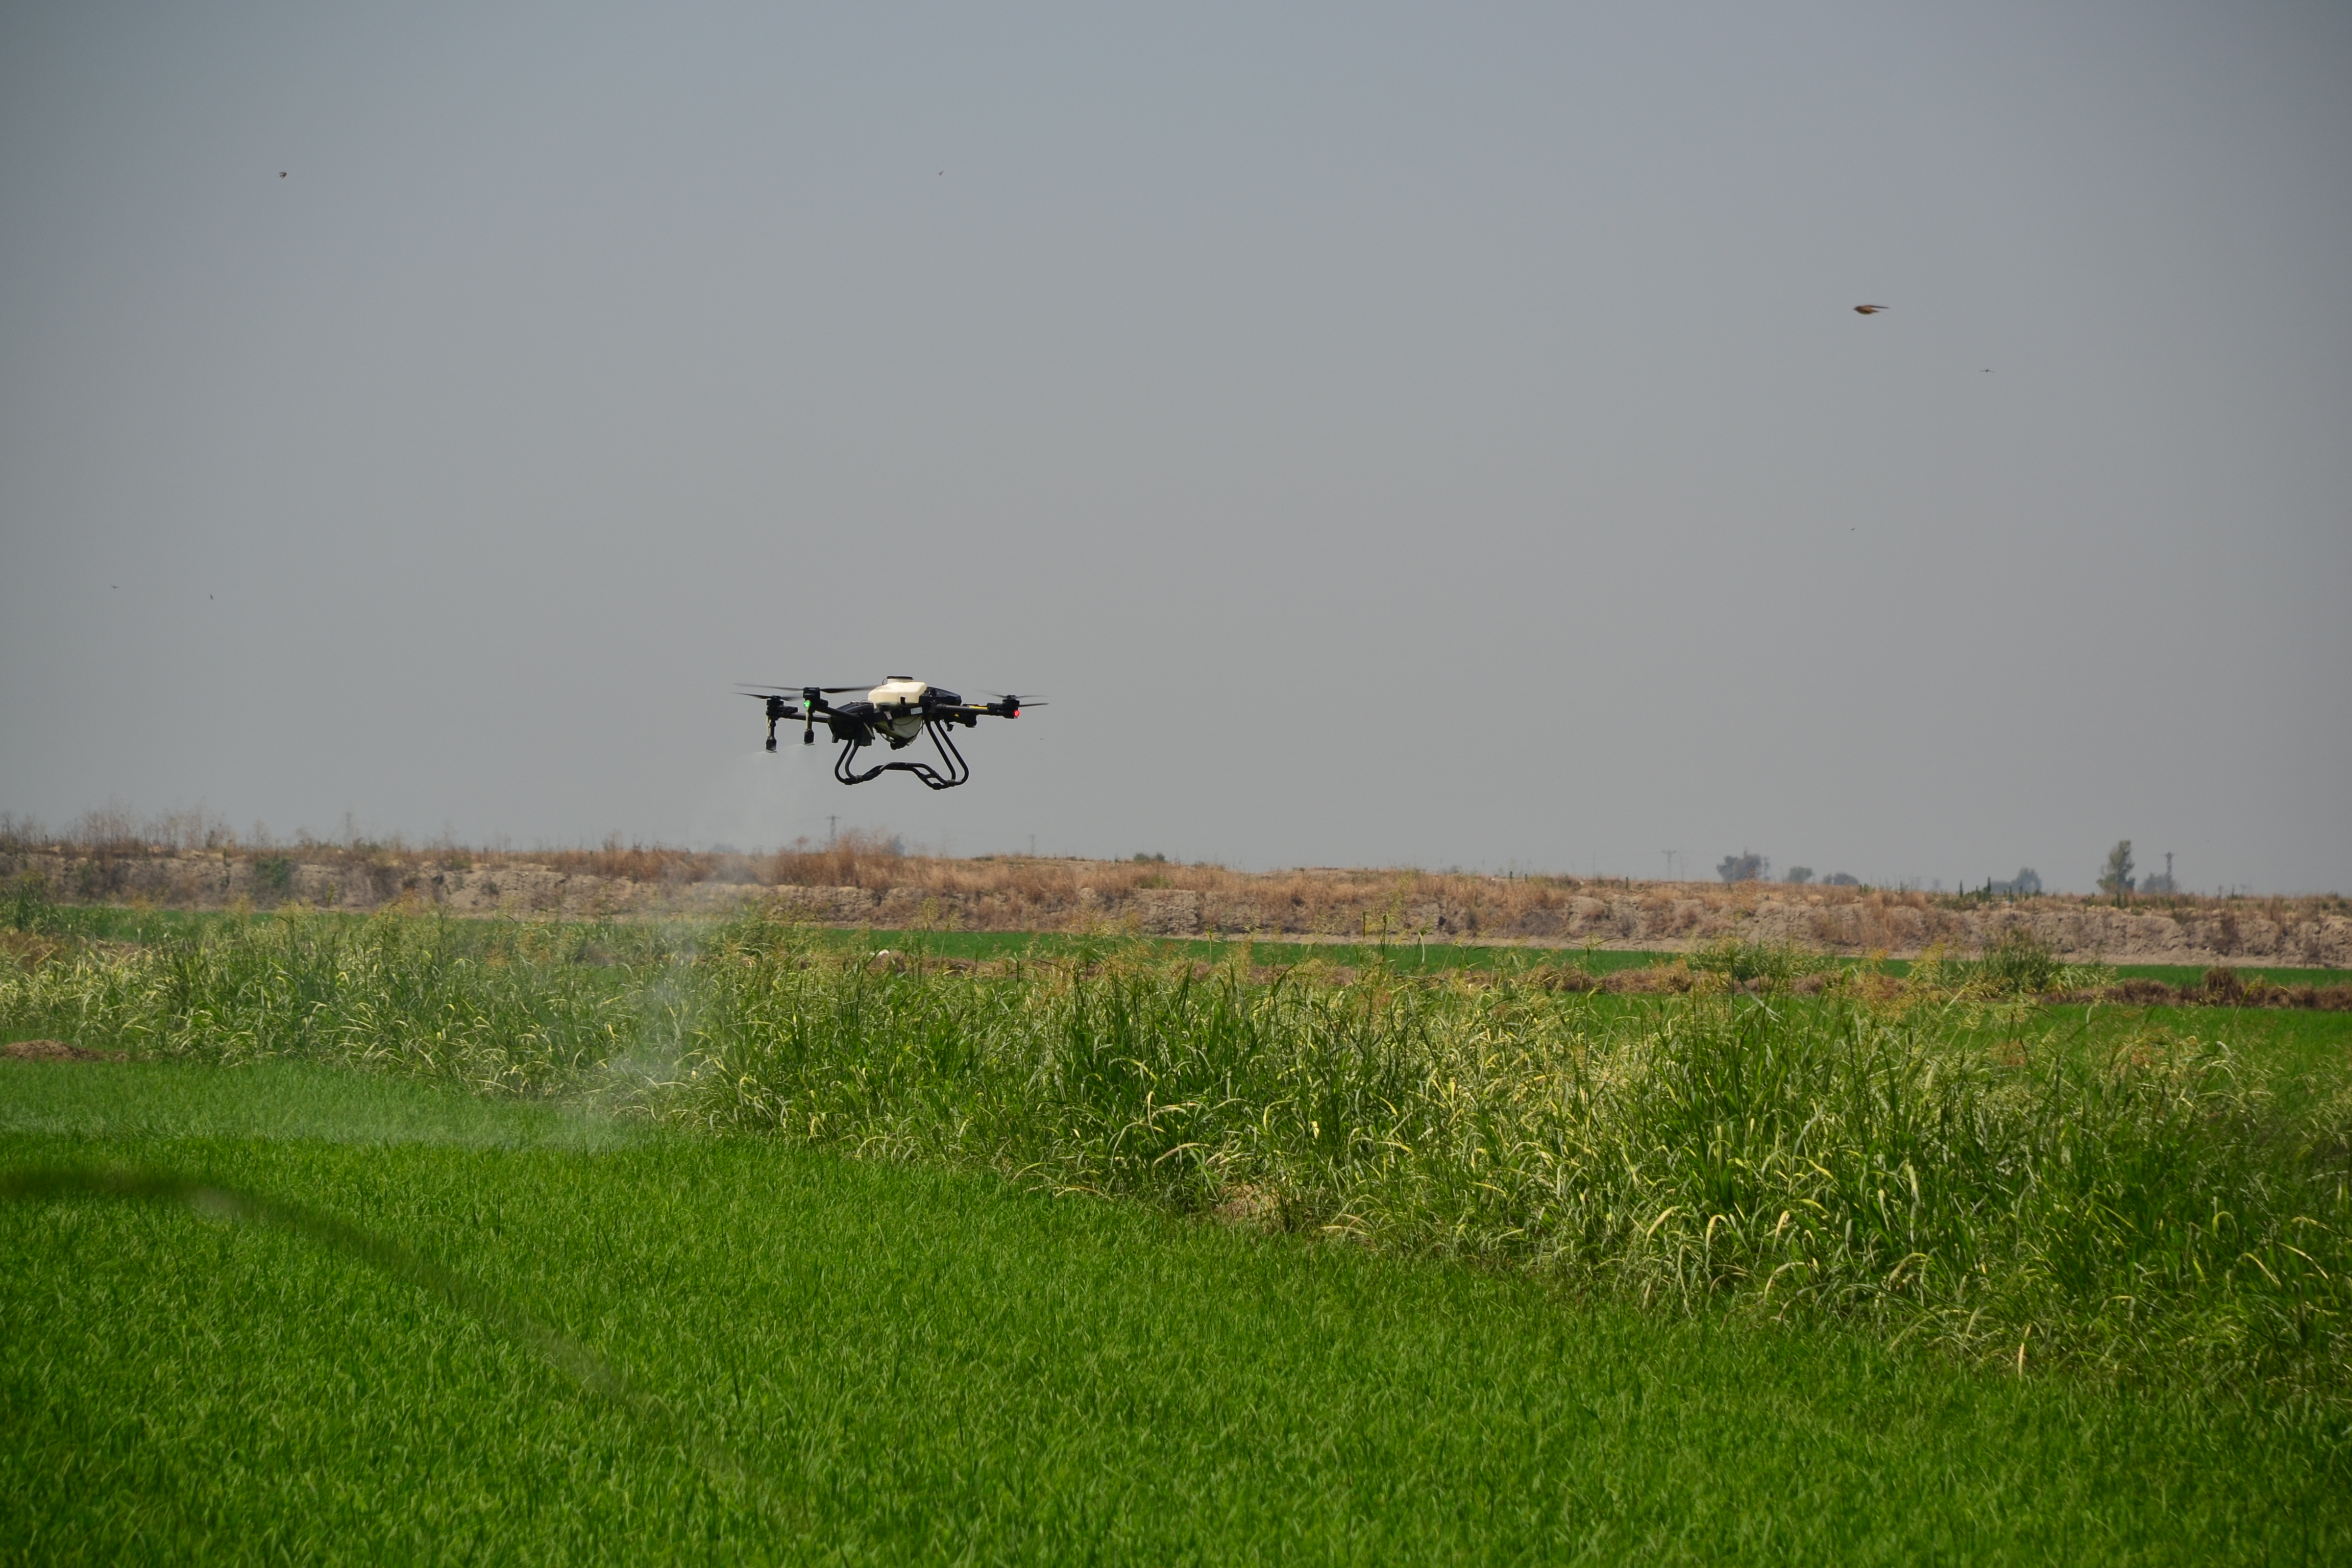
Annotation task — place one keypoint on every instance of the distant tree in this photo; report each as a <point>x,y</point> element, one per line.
<point>1745,867</point>
<point>1840,879</point>
<point>1800,875</point>
<point>2024,885</point>
<point>2115,875</point>
<point>2160,881</point>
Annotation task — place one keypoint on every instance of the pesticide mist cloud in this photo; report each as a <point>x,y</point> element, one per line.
<point>754,799</point>
<point>1386,433</point>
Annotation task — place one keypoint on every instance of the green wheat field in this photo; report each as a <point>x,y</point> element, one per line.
<point>417,1240</point>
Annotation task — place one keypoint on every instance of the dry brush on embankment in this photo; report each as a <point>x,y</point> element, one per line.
<point>862,882</point>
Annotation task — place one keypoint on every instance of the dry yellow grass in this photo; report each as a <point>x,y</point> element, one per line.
<point>867,880</point>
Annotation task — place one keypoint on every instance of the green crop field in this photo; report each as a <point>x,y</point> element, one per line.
<point>416,1238</point>
<point>819,1358</point>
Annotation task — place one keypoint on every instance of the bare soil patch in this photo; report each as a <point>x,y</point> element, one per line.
<point>53,1051</point>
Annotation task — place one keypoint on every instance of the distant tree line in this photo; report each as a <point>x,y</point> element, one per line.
<point>1750,867</point>
<point>1745,867</point>
<point>2116,877</point>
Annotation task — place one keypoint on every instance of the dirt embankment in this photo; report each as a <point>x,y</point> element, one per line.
<point>336,880</point>
<point>857,884</point>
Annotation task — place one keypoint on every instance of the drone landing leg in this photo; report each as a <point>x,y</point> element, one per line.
<point>957,768</point>
<point>841,766</point>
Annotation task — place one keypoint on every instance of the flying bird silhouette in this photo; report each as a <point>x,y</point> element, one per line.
<point>1868,310</point>
<point>281,173</point>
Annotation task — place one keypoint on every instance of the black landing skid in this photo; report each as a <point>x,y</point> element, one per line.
<point>957,768</point>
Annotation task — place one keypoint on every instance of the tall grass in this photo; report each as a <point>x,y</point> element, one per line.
<point>1927,1158</point>
<point>504,1008</point>
<point>1892,1160</point>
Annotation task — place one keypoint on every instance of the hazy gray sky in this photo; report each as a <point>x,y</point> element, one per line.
<point>1388,433</point>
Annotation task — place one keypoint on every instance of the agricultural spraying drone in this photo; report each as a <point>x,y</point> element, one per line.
<point>898,711</point>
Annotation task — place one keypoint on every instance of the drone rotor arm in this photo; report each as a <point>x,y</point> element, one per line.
<point>1008,704</point>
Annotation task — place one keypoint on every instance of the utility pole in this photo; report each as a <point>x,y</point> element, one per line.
<point>832,828</point>
<point>1670,863</point>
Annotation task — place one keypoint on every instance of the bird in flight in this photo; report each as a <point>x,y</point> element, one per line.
<point>281,173</point>
<point>1868,310</point>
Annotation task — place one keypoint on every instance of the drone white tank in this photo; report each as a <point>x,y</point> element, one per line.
<point>901,699</point>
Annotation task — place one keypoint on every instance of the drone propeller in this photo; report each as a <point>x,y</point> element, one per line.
<point>1018,702</point>
<point>796,691</point>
